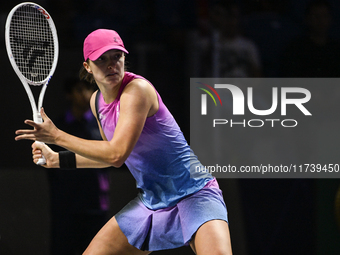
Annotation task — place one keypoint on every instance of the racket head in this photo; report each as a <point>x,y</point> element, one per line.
<point>32,43</point>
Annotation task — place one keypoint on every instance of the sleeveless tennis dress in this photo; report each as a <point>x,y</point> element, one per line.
<point>173,200</point>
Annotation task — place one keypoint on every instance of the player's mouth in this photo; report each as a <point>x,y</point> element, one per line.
<point>112,74</point>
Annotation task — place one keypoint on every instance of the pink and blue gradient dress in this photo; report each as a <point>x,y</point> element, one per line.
<point>173,200</point>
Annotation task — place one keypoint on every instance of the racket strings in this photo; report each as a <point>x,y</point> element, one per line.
<point>32,43</point>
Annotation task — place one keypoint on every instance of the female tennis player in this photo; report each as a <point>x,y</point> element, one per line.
<point>176,205</point>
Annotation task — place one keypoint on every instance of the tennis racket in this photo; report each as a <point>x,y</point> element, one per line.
<point>32,48</point>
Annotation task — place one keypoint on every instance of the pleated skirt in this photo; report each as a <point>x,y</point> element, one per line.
<point>171,227</point>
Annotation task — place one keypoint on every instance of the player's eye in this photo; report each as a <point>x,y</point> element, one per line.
<point>100,59</point>
<point>118,56</point>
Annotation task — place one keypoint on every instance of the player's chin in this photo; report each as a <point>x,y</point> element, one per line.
<point>114,78</point>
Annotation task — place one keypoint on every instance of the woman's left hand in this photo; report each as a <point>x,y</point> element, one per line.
<point>45,132</point>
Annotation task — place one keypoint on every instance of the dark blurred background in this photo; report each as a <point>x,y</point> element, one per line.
<point>170,41</point>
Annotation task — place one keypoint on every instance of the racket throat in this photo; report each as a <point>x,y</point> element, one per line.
<point>37,117</point>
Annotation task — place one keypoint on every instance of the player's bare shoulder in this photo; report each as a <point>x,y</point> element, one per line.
<point>140,85</point>
<point>142,90</point>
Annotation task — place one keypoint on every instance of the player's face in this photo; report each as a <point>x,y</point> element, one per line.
<point>108,69</point>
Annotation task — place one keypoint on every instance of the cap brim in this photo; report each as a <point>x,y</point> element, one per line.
<point>96,54</point>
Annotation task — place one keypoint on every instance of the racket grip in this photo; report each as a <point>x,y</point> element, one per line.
<point>42,160</point>
<point>38,119</point>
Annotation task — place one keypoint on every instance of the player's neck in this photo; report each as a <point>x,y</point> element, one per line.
<point>110,94</point>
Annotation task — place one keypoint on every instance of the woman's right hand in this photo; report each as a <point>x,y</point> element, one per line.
<point>52,157</point>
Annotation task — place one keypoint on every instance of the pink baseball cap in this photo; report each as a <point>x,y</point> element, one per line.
<point>100,41</point>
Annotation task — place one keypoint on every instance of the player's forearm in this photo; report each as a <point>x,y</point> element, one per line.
<point>98,153</point>
<point>83,162</point>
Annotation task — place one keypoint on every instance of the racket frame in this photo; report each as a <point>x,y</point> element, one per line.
<point>26,82</point>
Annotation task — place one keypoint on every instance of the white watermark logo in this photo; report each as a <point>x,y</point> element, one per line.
<point>238,105</point>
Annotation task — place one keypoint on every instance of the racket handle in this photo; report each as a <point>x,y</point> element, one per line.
<point>42,160</point>
<point>38,119</point>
